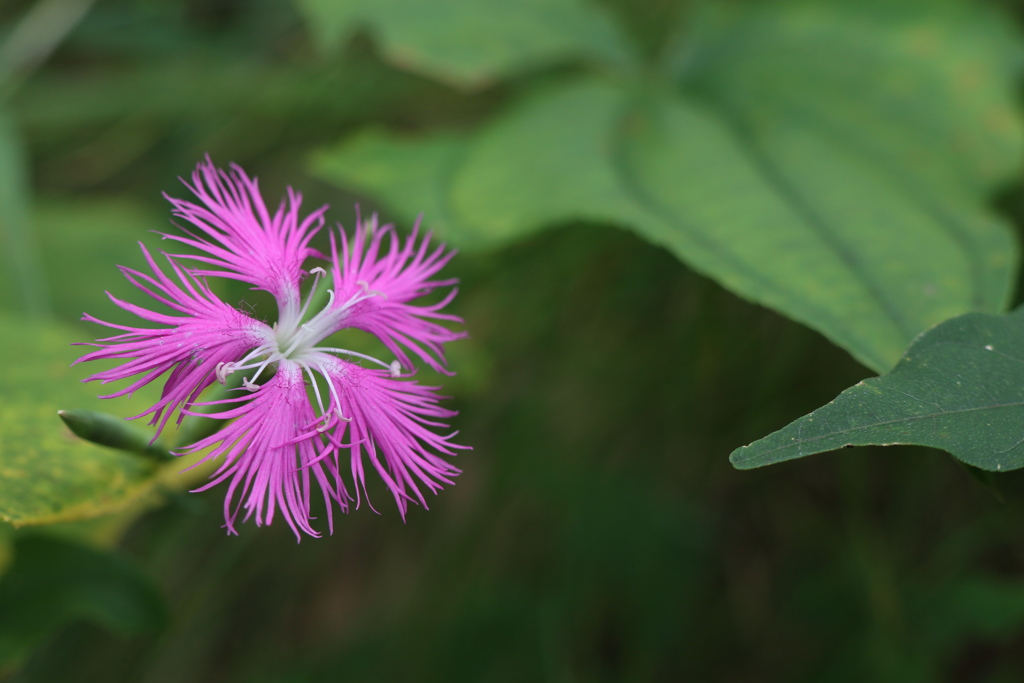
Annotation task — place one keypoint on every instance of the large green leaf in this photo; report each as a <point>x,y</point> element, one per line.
<point>810,230</point>
<point>831,160</point>
<point>917,96</point>
<point>47,474</point>
<point>470,43</point>
<point>53,581</point>
<point>870,74</point>
<point>960,387</point>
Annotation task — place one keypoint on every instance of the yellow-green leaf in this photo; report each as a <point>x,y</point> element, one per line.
<point>47,474</point>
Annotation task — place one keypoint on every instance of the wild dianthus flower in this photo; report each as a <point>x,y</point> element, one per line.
<point>303,403</point>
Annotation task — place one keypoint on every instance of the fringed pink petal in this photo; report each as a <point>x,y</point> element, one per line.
<point>392,424</point>
<point>189,346</point>
<point>238,236</point>
<point>382,277</point>
<point>272,455</point>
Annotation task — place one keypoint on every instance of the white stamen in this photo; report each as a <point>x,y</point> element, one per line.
<point>337,399</point>
<point>259,370</point>
<point>326,418</point>
<point>335,349</point>
<point>316,388</point>
<point>297,342</point>
<point>316,273</point>
<point>324,412</point>
<point>223,370</point>
<point>369,292</point>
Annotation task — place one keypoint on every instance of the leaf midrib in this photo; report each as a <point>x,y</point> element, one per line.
<point>794,441</point>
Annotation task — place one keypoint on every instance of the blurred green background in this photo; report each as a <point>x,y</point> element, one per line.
<point>597,533</point>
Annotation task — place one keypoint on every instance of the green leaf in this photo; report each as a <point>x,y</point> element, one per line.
<point>960,387</point>
<point>812,231</point>
<point>47,474</point>
<point>471,43</point>
<point>870,74</point>
<point>832,161</point>
<point>410,172</point>
<point>53,582</point>
<point>898,113</point>
<point>547,161</point>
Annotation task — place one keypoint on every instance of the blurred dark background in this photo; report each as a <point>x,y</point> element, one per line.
<point>598,531</point>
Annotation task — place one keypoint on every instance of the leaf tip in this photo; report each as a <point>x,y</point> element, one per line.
<point>737,459</point>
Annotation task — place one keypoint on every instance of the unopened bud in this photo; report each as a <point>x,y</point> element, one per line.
<point>107,430</point>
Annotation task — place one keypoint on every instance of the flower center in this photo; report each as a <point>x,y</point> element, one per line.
<point>290,339</point>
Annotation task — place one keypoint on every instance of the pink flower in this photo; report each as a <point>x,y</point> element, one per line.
<point>304,403</point>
